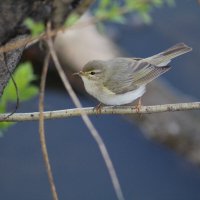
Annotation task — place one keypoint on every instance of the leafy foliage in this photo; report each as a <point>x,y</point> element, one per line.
<point>23,77</point>
<point>114,10</point>
<point>110,10</point>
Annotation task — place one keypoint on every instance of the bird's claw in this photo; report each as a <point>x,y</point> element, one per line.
<point>138,106</point>
<point>98,108</point>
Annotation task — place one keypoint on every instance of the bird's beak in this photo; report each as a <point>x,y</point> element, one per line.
<point>78,73</point>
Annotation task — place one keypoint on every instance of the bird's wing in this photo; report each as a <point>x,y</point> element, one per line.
<point>131,75</point>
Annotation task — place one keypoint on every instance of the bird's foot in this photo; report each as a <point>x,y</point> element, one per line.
<point>138,105</point>
<point>98,108</point>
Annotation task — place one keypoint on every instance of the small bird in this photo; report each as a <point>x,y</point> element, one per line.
<point>121,81</point>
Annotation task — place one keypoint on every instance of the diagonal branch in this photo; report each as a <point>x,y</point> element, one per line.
<point>41,128</point>
<point>89,124</point>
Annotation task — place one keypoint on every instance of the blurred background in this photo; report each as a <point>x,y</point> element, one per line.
<point>146,168</point>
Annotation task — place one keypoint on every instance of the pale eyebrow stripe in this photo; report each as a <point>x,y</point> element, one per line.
<point>97,71</point>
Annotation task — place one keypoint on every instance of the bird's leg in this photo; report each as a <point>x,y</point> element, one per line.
<point>98,108</point>
<point>138,105</point>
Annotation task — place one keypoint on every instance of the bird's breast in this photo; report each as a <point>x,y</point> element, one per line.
<point>91,86</point>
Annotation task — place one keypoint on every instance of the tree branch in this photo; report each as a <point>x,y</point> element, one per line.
<point>59,114</point>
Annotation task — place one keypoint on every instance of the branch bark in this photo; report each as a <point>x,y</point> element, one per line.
<point>59,114</point>
<point>8,61</point>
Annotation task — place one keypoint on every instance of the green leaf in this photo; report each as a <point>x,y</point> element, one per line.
<point>30,92</point>
<point>2,106</point>
<point>138,5</point>
<point>101,13</point>
<point>23,77</point>
<point>146,17</point>
<point>36,28</point>
<point>71,20</point>
<point>157,3</point>
<point>104,3</point>
<point>118,18</point>
<point>4,126</point>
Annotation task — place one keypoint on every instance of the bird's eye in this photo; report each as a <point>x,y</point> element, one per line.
<point>92,73</point>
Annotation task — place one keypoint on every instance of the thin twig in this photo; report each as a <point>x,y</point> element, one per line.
<point>60,114</point>
<point>41,128</point>
<point>88,123</point>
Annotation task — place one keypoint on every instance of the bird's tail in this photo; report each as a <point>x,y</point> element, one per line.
<point>163,58</point>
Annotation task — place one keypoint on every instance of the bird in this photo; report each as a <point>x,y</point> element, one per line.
<point>121,80</point>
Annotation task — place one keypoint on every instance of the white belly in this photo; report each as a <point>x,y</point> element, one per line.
<point>121,99</point>
<point>109,98</point>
